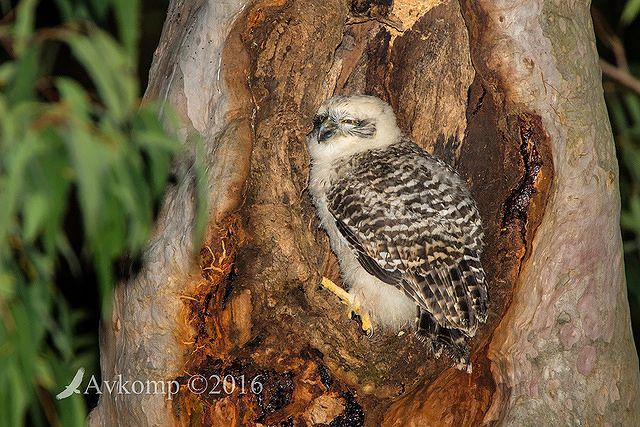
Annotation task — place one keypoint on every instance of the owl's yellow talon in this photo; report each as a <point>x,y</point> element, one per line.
<point>354,306</point>
<point>367,326</point>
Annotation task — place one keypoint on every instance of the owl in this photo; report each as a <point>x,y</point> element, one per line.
<point>403,225</point>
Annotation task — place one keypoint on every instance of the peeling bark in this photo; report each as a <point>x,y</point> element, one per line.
<point>509,95</point>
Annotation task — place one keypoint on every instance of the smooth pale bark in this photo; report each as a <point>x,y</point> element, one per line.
<point>510,94</point>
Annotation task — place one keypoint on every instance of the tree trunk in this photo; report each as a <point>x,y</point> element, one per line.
<point>511,95</point>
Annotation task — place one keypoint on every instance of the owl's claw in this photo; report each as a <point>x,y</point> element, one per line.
<point>354,306</point>
<point>365,320</point>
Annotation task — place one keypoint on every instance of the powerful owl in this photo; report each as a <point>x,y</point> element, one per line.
<point>402,223</point>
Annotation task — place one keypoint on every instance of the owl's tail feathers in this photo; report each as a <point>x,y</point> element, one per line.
<point>438,338</point>
<point>476,282</point>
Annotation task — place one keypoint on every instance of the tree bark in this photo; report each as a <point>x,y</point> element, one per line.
<point>510,95</point>
<point>563,353</point>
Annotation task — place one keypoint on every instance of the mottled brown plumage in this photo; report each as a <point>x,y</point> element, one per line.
<point>402,223</point>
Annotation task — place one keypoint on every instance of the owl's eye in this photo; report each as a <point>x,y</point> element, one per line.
<point>318,120</point>
<point>349,121</point>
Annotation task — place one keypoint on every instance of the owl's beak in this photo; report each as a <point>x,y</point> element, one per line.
<point>326,131</point>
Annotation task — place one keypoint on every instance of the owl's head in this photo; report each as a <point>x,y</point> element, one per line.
<point>346,125</point>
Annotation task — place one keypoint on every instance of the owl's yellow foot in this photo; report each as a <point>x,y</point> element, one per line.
<point>354,306</point>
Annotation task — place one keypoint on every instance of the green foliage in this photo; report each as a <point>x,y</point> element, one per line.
<point>630,11</point>
<point>59,141</point>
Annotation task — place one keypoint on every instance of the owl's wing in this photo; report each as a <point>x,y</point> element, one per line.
<point>420,236</point>
<point>369,263</point>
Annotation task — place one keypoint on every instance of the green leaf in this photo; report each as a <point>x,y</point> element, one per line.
<point>128,18</point>
<point>48,176</point>
<point>23,27</point>
<point>22,87</point>
<point>7,289</point>
<point>16,153</point>
<point>67,10</point>
<point>7,72</point>
<point>35,215</point>
<point>64,248</point>
<point>74,98</point>
<point>630,11</point>
<point>101,8</point>
<point>17,395</point>
<point>111,70</point>
<point>86,153</point>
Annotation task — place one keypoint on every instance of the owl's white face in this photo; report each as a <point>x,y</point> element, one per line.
<point>345,125</point>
